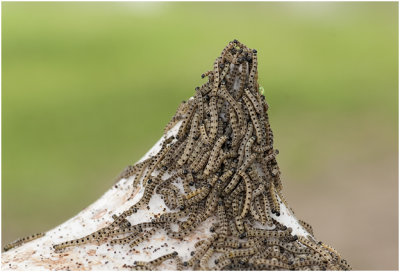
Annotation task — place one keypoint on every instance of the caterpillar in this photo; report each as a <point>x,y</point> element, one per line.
<point>214,152</point>
<point>273,200</point>
<point>23,240</point>
<point>163,258</point>
<point>255,120</point>
<point>315,247</point>
<point>242,146</point>
<point>126,240</point>
<point>143,238</point>
<point>253,70</point>
<point>190,144</point>
<point>248,194</point>
<point>214,119</point>
<point>205,259</point>
<point>307,226</point>
<point>253,100</point>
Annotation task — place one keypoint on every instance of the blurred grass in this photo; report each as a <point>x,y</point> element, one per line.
<point>88,87</point>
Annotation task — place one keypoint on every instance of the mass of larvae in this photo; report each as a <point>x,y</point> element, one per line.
<point>220,164</point>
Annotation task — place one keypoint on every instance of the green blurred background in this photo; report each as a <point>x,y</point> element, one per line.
<point>87,88</point>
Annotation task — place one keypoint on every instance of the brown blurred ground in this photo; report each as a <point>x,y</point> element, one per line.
<point>351,200</point>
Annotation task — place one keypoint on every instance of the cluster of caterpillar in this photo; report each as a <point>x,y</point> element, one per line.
<point>223,158</point>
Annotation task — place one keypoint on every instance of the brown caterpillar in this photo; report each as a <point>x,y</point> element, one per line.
<point>235,180</point>
<point>222,264</point>
<point>316,248</point>
<point>223,220</point>
<point>162,259</point>
<point>204,136</point>
<point>306,226</point>
<point>200,164</point>
<point>143,237</point>
<point>190,144</point>
<point>253,70</point>
<point>225,71</point>
<point>243,77</point>
<point>201,250</point>
<point>214,153</point>
<point>23,240</point>
<point>235,128</point>
<point>186,119</point>
<point>205,259</point>
<point>216,76</point>
<point>253,100</point>
<point>246,138</point>
<point>273,200</point>
<point>126,240</point>
<point>271,264</point>
<point>248,194</point>
<point>254,119</point>
<point>214,119</point>
<point>202,193</point>
<point>260,210</point>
